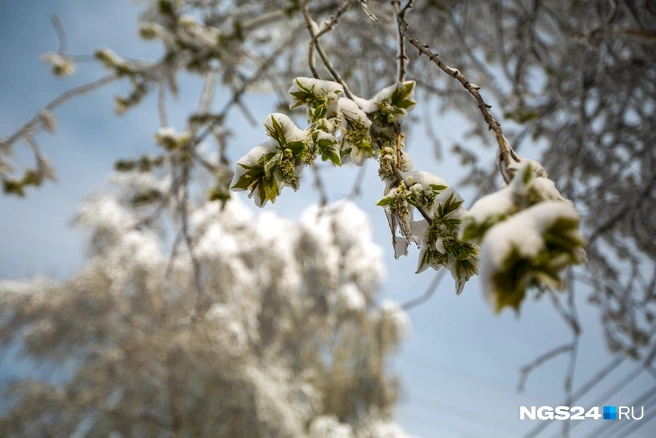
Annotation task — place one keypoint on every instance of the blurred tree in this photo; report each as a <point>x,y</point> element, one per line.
<point>574,81</point>
<point>286,338</point>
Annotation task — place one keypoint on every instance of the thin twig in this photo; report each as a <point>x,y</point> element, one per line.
<point>61,34</point>
<point>527,369</point>
<point>401,56</point>
<point>207,93</point>
<point>160,207</point>
<point>506,154</point>
<point>357,183</point>
<point>161,105</point>
<point>407,6</point>
<point>329,66</point>
<point>430,291</point>
<point>332,21</point>
<point>73,92</point>
<point>318,183</point>
<point>573,354</point>
<point>184,214</point>
<point>602,24</point>
<point>567,317</point>
<point>237,94</point>
<point>608,225</point>
<point>421,210</point>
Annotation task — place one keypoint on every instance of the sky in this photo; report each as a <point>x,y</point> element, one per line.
<point>460,364</point>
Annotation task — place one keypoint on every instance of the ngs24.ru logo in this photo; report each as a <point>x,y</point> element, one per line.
<point>579,413</point>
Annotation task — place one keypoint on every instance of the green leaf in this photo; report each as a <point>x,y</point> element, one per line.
<point>325,143</point>
<point>332,155</point>
<point>247,178</point>
<point>437,187</point>
<point>275,131</point>
<point>449,206</point>
<point>259,178</point>
<point>528,174</point>
<point>297,147</point>
<point>319,112</point>
<point>385,201</point>
<point>401,96</point>
<point>271,189</point>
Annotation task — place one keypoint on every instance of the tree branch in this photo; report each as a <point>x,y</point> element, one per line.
<point>430,291</point>
<point>506,154</point>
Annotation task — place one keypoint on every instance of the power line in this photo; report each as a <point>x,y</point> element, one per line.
<point>584,389</point>
<point>605,428</point>
<point>635,425</point>
<point>469,377</point>
<point>471,417</point>
<point>611,392</point>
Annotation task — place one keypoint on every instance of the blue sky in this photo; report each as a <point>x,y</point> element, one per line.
<point>460,366</point>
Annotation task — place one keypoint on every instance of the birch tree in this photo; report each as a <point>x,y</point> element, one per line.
<point>560,95</point>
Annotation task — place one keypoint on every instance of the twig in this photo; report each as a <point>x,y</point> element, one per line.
<point>311,62</point>
<point>407,6</point>
<point>568,318</point>
<point>184,214</point>
<point>604,22</point>
<point>506,154</point>
<point>573,354</point>
<point>421,210</point>
<point>332,21</point>
<point>237,94</point>
<point>276,15</point>
<point>329,66</point>
<point>608,225</point>
<point>401,56</point>
<point>207,93</point>
<point>158,211</point>
<point>527,369</point>
<point>161,105</point>
<point>357,183</point>
<point>430,291</point>
<point>73,92</point>
<point>318,183</point>
<point>61,34</point>
<point>329,26</point>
